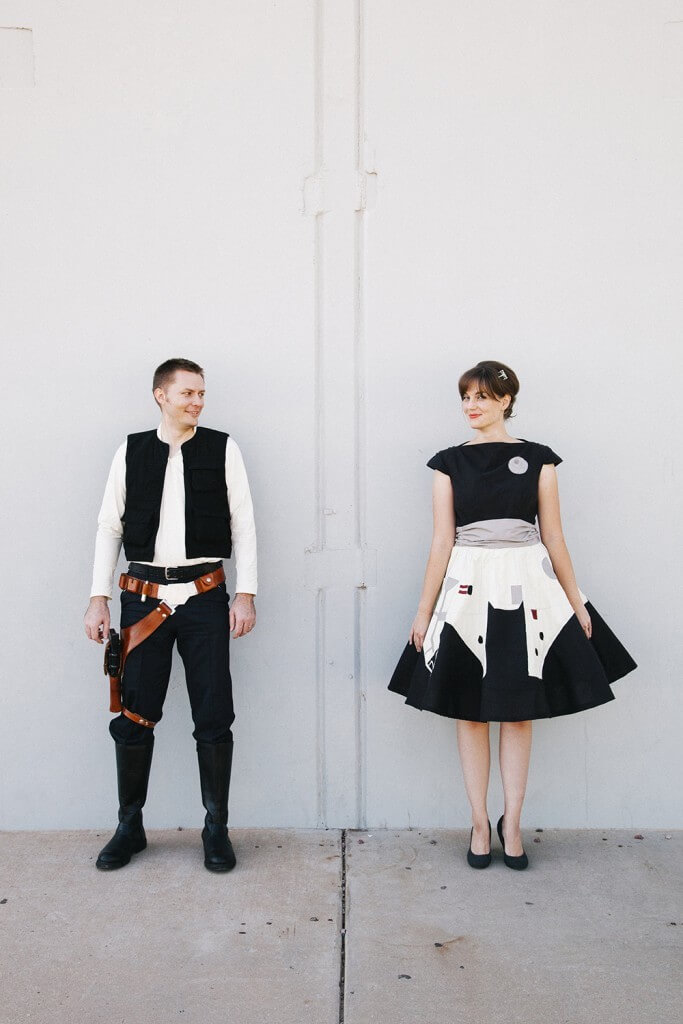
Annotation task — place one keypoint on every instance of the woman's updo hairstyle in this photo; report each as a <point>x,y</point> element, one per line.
<point>493,378</point>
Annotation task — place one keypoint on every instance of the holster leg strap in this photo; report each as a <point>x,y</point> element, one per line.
<point>138,719</point>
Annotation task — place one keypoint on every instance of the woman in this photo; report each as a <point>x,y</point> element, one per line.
<point>502,631</point>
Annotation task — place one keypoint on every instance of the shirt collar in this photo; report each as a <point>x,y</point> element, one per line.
<point>160,433</point>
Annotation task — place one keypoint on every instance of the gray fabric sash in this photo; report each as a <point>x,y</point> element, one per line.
<point>498,533</point>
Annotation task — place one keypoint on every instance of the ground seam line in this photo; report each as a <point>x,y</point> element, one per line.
<point>342,952</point>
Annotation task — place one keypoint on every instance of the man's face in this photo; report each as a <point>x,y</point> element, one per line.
<point>183,399</point>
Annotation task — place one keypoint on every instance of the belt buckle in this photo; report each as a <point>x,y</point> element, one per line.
<point>171,579</point>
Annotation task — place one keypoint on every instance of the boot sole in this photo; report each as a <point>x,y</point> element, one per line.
<point>219,868</point>
<point>106,865</point>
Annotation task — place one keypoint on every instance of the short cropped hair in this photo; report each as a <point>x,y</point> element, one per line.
<point>493,378</point>
<point>164,374</point>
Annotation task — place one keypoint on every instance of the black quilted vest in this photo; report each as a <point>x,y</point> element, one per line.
<point>207,513</point>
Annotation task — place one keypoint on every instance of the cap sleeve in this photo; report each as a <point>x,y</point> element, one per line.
<point>549,457</point>
<point>438,461</point>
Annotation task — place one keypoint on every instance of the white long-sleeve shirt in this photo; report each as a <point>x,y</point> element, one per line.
<point>169,548</point>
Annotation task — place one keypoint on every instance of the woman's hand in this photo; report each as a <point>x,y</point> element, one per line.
<point>585,621</point>
<point>419,629</point>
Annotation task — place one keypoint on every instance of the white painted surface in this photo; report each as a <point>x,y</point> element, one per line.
<point>335,210</point>
<point>530,208</point>
<point>153,208</point>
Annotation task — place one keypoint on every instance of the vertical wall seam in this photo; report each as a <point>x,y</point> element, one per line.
<point>319,483</point>
<point>360,707</point>
<point>360,82</point>
<point>357,771</point>
<point>319,329</point>
<point>360,427</point>
<point>344,917</point>
<point>321,754</point>
<point>360,533</point>
<point>318,99</point>
<point>318,282</point>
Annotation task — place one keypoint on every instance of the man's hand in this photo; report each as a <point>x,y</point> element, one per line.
<point>97,620</point>
<point>242,615</point>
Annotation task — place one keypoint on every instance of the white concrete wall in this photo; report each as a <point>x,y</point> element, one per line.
<point>335,208</point>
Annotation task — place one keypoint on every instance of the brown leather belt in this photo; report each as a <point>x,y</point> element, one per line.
<point>209,581</point>
<point>133,636</point>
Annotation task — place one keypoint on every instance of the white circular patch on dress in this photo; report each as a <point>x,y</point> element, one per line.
<point>518,465</point>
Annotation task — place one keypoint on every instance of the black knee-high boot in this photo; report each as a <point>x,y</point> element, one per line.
<point>215,762</point>
<point>132,769</point>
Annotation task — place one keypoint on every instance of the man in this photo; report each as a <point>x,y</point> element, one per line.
<point>178,499</point>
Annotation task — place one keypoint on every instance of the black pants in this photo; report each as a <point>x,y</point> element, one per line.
<point>201,629</point>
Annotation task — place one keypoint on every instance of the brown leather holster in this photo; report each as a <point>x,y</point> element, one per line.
<point>133,636</point>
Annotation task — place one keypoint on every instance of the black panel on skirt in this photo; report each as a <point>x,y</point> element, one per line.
<point>577,672</point>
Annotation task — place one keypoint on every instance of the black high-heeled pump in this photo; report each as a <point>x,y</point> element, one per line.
<point>479,860</point>
<point>516,863</point>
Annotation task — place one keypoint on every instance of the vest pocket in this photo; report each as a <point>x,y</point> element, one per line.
<point>138,528</point>
<point>211,528</point>
<point>208,514</point>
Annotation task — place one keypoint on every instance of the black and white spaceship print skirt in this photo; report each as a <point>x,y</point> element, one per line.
<point>504,644</point>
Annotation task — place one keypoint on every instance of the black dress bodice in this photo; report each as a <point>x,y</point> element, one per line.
<point>494,480</point>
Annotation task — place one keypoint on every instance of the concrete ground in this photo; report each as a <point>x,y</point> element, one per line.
<point>593,931</point>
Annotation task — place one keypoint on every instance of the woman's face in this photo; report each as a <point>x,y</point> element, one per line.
<point>481,409</point>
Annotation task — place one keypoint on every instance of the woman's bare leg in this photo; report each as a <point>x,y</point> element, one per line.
<point>515,751</point>
<point>475,758</point>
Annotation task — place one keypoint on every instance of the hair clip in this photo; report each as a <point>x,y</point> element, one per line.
<point>502,374</point>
